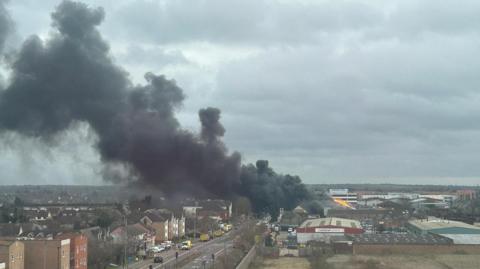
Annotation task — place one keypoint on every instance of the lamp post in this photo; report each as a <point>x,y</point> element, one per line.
<point>195,226</point>
<point>125,261</point>
<point>59,257</point>
<point>44,254</point>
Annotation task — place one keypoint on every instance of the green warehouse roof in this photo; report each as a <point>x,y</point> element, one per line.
<point>441,226</point>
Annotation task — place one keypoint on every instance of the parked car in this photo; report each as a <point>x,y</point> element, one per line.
<point>166,246</point>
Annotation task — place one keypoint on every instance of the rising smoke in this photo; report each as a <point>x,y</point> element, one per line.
<point>4,25</point>
<point>71,78</point>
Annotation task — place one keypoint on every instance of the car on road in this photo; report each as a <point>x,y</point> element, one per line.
<point>157,249</point>
<point>218,233</point>
<point>158,259</point>
<point>186,245</point>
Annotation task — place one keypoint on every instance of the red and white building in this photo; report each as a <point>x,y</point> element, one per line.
<point>323,228</point>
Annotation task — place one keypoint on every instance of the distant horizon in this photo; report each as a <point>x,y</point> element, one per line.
<point>323,183</point>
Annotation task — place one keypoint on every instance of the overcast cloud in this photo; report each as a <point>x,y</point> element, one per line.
<point>334,91</point>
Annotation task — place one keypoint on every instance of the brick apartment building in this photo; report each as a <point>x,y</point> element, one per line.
<point>44,253</point>
<point>78,250</point>
<point>12,253</point>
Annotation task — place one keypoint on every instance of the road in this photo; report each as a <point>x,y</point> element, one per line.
<point>204,260</point>
<point>202,251</point>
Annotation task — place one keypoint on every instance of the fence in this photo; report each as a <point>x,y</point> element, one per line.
<point>247,260</point>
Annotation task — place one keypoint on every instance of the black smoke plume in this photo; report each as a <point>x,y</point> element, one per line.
<point>5,25</point>
<point>71,78</point>
<point>269,191</point>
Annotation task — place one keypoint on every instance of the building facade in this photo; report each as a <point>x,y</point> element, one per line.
<point>459,232</point>
<point>51,254</point>
<point>344,195</point>
<point>78,250</point>
<point>158,224</point>
<point>323,229</point>
<point>12,253</point>
<point>466,194</point>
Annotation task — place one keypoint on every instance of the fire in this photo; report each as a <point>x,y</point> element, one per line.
<point>343,203</point>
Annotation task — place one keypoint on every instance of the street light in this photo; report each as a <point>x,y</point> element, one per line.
<point>125,262</point>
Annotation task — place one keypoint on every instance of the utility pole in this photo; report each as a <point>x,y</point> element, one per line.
<point>44,254</point>
<point>125,261</point>
<point>59,256</point>
<point>225,252</point>
<point>195,226</point>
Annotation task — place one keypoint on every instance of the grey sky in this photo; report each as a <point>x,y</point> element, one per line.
<point>334,91</point>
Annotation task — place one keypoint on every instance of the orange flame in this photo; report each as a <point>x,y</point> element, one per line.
<point>343,203</point>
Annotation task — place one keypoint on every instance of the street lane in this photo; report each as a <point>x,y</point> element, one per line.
<point>205,259</point>
<point>203,249</point>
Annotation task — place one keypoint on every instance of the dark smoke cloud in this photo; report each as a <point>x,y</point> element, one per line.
<point>71,78</point>
<point>5,24</point>
<point>65,79</point>
<point>212,129</point>
<point>269,191</point>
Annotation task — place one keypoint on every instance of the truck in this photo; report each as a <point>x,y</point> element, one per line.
<point>227,227</point>
<point>204,237</point>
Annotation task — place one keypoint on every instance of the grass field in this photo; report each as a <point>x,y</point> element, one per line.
<point>405,262</point>
<point>283,263</point>
<point>451,261</point>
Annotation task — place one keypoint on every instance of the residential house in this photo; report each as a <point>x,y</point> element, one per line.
<point>138,234</point>
<point>220,210</point>
<point>181,227</point>
<point>176,227</point>
<point>158,223</point>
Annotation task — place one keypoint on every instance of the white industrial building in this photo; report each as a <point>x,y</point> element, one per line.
<point>345,195</point>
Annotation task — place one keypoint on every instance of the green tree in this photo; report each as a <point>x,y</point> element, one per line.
<point>104,220</point>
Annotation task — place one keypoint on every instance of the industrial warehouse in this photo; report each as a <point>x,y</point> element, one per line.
<point>459,232</point>
<point>323,229</point>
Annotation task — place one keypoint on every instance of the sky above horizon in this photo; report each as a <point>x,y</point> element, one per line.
<point>332,91</point>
